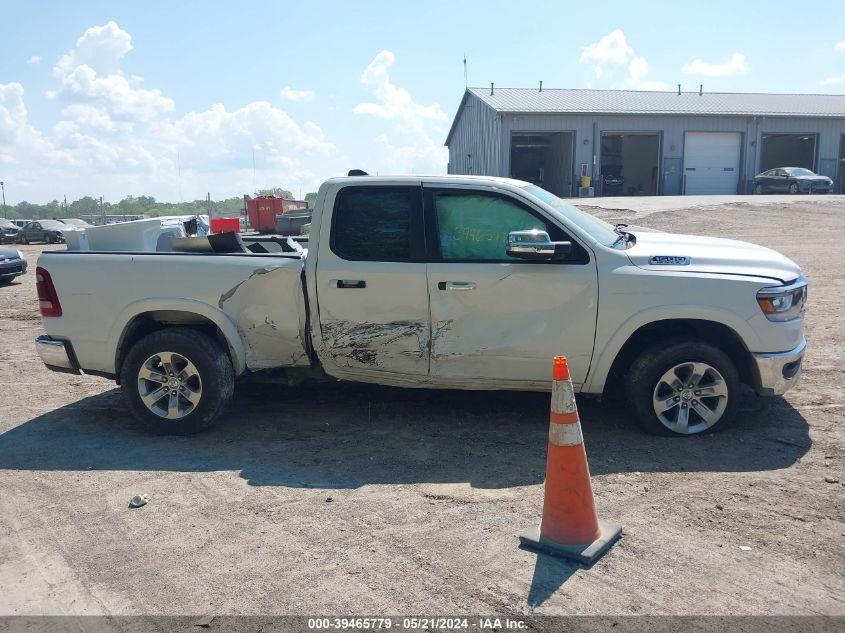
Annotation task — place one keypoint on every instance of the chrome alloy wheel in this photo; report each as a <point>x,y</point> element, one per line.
<point>690,398</point>
<point>169,385</point>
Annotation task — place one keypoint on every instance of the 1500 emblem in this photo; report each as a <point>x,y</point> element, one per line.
<point>669,260</point>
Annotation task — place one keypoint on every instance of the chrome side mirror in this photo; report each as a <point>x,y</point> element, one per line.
<point>535,244</point>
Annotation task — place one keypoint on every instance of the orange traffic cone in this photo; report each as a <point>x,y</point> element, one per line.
<point>570,527</point>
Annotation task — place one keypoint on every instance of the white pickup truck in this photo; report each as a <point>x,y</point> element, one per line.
<point>452,282</point>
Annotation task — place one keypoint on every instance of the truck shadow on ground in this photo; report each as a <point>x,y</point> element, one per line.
<point>347,435</point>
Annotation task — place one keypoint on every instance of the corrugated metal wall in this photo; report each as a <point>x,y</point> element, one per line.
<point>486,136</point>
<point>475,144</point>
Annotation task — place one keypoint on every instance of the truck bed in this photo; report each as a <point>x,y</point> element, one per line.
<point>256,301</point>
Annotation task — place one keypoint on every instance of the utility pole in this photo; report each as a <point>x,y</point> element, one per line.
<point>3,188</point>
<point>208,203</point>
<point>64,204</point>
<point>102,210</point>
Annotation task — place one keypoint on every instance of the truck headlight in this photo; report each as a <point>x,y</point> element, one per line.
<point>783,303</point>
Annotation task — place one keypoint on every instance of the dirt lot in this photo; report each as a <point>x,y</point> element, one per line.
<point>348,499</point>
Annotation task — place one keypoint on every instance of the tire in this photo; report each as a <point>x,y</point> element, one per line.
<point>209,389</point>
<point>793,187</point>
<point>646,382</point>
<point>6,279</point>
<point>758,189</point>
<point>23,240</point>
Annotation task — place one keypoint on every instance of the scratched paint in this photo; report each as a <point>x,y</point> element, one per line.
<point>374,344</point>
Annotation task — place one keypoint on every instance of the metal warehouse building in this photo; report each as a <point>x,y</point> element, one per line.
<point>644,143</point>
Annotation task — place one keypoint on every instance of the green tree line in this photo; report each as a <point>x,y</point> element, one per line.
<point>138,205</point>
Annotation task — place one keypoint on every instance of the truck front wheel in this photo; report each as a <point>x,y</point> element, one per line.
<point>177,381</point>
<point>683,388</point>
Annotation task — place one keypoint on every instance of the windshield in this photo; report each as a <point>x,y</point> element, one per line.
<point>598,229</point>
<point>799,171</point>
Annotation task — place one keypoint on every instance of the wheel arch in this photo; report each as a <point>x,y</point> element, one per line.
<point>151,316</point>
<point>716,333</point>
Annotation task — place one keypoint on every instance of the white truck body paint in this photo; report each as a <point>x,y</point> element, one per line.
<point>401,329</point>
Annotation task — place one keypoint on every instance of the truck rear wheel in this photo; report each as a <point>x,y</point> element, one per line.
<point>177,381</point>
<point>683,388</point>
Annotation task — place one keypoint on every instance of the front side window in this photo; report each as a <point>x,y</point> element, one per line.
<point>474,227</point>
<point>374,223</point>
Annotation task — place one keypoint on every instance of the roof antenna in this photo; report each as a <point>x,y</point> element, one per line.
<point>541,85</point>
<point>491,87</point>
<point>679,89</point>
<point>700,89</point>
<point>466,81</point>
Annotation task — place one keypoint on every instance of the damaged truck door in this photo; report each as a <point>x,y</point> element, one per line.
<point>494,315</point>
<point>371,283</point>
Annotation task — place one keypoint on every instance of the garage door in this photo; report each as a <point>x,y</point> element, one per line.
<point>711,162</point>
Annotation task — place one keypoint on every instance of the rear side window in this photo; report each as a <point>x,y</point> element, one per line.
<point>374,223</point>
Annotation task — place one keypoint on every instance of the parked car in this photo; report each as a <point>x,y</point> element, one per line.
<point>791,180</point>
<point>8,231</point>
<point>448,282</point>
<point>48,231</point>
<point>12,264</point>
<point>76,222</point>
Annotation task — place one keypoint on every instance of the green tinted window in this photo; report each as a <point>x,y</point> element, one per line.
<point>475,227</point>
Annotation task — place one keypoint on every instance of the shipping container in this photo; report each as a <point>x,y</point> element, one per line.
<point>262,211</point>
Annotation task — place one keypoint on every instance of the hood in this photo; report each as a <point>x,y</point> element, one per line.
<point>692,253</point>
<point>8,253</point>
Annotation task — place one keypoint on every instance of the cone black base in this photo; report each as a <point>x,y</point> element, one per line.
<point>586,553</point>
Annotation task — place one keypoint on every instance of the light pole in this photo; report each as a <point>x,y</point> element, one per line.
<point>3,188</point>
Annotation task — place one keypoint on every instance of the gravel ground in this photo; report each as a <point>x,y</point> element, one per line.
<point>349,499</point>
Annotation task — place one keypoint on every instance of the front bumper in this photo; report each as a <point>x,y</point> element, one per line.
<point>57,354</point>
<point>12,267</point>
<point>777,373</point>
<point>816,186</point>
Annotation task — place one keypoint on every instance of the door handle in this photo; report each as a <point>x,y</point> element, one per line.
<point>456,285</point>
<point>349,283</point>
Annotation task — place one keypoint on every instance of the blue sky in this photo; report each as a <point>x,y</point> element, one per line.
<point>172,99</point>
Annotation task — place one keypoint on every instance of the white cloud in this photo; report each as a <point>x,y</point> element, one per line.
<point>90,73</point>
<point>611,54</point>
<point>121,96</point>
<point>610,50</point>
<point>100,48</point>
<point>116,137</point>
<point>833,81</point>
<point>218,135</point>
<point>394,102</point>
<point>303,96</point>
<point>737,65</point>
<point>28,157</point>
<point>416,125</point>
<point>423,156</point>
<point>94,118</point>
<point>839,47</point>
<point>34,59</point>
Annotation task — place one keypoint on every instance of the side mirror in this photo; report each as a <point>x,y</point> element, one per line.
<point>535,244</point>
